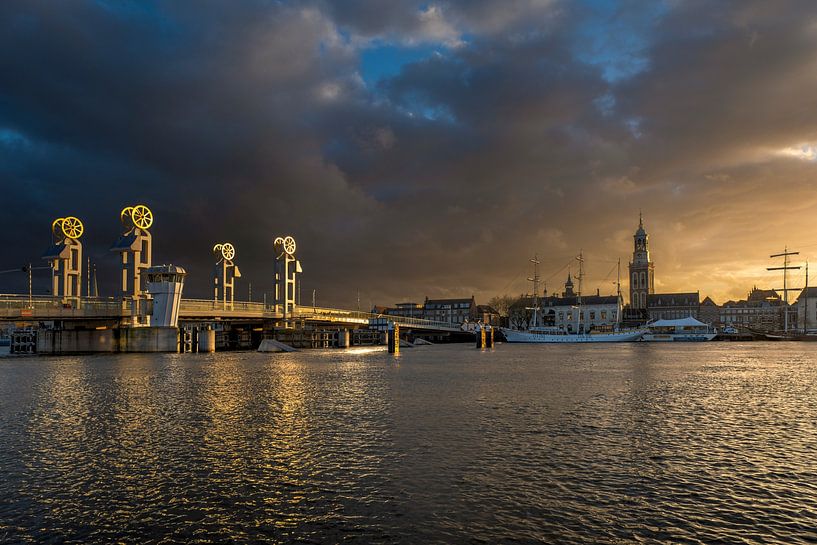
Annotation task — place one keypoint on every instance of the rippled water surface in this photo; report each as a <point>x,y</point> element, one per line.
<point>698,443</point>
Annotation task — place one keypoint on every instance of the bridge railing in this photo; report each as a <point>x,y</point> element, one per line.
<point>49,306</point>
<point>333,314</point>
<point>206,305</point>
<point>381,321</point>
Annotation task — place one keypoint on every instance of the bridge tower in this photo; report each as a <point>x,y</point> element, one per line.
<point>135,247</point>
<point>65,255</point>
<point>224,275</point>
<point>287,267</point>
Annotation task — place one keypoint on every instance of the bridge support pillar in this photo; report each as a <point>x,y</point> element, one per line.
<point>343,338</point>
<point>207,340</point>
<point>393,340</point>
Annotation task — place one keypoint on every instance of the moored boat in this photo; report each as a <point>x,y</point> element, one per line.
<point>541,335</point>
<point>683,329</point>
<point>579,331</point>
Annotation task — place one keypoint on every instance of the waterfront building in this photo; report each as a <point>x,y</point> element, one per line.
<point>671,306</point>
<point>454,311</point>
<point>642,270</point>
<point>597,312</point>
<point>806,309</point>
<point>762,310</point>
<point>406,310</point>
<point>709,312</point>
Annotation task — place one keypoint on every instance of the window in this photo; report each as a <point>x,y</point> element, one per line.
<point>592,315</point>
<point>643,280</point>
<point>603,314</point>
<point>561,315</point>
<point>569,315</point>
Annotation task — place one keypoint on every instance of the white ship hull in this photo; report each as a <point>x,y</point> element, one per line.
<point>679,337</point>
<point>514,336</point>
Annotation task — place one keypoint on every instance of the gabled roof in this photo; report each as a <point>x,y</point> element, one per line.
<point>812,292</point>
<point>762,295</point>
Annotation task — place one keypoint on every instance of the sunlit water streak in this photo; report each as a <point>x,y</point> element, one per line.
<point>624,443</point>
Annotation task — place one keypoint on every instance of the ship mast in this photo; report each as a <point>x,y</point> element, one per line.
<point>805,304</point>
<point>785,268</point>
<point>535,281</point>
<point>580,259</point>
<point>618,292</point>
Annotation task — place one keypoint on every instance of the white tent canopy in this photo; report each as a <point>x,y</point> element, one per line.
<point>689,321</point>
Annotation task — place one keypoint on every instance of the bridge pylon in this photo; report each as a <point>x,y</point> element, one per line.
<point>65,256</point>
<point>287,269</point>
<point>224,275</point>
<point>135,246</point>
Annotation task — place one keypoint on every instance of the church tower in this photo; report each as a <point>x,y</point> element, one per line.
<point>642,270</point>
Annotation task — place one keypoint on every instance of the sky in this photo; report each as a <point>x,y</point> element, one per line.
<point>415,149</point>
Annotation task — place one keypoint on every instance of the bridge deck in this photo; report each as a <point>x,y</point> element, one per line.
<point>21,307</point>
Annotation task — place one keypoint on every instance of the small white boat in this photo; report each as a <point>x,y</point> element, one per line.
<point>551,335</point>
<point>683,329</point>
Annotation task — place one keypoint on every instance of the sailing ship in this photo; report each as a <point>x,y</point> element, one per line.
<point>804,334</point>
<point>550,334</point>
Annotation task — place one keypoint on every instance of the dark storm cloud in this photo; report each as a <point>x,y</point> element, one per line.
<point>532,127</point>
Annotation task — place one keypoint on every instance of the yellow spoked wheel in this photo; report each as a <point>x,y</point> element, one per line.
<point>227,251</point>
<point>142,216</point>
<point>289,245</point>
<point>125,216</point>
<point>72,227</point>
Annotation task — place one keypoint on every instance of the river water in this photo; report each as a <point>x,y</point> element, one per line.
<point>640,442</point>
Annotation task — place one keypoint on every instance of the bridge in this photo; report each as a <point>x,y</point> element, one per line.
<point>38,308</point>
<point>149,313</point>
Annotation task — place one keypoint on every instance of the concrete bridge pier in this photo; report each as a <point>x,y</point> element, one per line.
<point>343,338</point>
<point>207,340</point>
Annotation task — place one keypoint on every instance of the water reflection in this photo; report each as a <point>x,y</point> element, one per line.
<point>535,444</point>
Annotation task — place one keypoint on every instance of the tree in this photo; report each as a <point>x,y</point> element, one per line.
<point>502,303</point>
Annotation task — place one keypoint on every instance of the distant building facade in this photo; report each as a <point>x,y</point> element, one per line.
<point>762,310</point>
<point>407,310</point>
<point>709,312</point>
<point>596,312</point>
<point>453,311</point>
<point>806,309</point>
<point>671,306</point>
